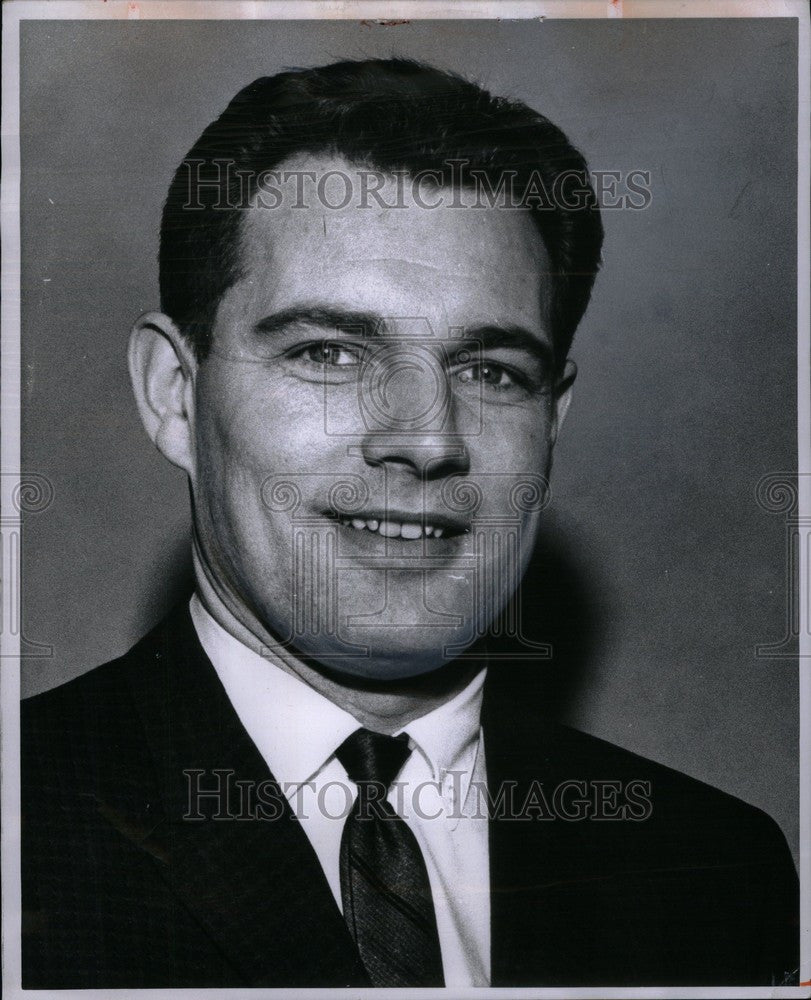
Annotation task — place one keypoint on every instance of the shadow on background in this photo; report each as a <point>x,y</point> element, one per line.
<point>558,606</point>
<point>170,580</point>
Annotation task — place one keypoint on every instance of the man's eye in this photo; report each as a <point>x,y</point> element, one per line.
<point>495,376</point>
<point>330,354</point>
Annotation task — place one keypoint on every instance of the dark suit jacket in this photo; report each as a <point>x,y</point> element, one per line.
<point>120,891</point>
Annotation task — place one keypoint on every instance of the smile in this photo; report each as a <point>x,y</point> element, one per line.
<point>399,526</point>
<point>395,529</point>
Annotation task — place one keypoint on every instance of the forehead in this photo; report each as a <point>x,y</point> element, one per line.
<point>451,265</point>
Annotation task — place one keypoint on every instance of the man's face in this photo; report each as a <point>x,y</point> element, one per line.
<point>376,412</point>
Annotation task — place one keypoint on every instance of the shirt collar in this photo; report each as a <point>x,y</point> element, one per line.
<point>297,730</point>
<point>446,735</point>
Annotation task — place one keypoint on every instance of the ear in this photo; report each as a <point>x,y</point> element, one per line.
<point>162,370</point>
<point>563,396</point>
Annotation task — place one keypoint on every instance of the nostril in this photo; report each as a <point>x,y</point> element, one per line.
<point>427,456</point>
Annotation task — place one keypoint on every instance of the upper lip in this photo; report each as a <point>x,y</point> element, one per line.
<point>451,525</point>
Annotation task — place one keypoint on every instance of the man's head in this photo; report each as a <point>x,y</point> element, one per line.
<point>371,274</point>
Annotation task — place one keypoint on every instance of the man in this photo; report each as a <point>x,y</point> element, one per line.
<point>308,774</point>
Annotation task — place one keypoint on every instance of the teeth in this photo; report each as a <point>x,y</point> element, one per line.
<point>394,529</point>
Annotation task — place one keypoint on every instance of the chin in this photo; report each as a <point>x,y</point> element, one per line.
<point>385,657</point>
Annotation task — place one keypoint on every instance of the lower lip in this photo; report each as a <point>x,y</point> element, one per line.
<point>374,542</point>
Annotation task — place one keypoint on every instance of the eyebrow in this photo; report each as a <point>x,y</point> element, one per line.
<point>322,317</point>
<point>371,324</point>
<point>516,338</point>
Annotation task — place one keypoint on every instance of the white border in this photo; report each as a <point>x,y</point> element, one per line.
<point>804,479</point>
<point>385,10</point>
<point>15,11</point>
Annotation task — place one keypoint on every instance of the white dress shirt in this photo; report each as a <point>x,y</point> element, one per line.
<point>297,731</point>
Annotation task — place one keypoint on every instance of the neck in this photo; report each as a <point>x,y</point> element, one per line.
<point>384,706</point>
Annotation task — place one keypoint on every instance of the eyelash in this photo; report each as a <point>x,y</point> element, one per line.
<point>309,352</point>
<point>324,346</point>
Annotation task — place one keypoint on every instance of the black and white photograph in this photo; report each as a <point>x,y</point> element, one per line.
<point>406,499</point>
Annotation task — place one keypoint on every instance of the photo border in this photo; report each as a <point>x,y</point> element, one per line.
<point>17,11</point>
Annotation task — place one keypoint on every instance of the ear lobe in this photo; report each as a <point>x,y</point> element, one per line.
<point>563,395</point>
<point>162,369</point>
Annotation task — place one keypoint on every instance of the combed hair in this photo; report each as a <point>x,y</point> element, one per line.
<point>385,115</point>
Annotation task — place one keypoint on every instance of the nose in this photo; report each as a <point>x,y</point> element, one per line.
<point>409,414</point>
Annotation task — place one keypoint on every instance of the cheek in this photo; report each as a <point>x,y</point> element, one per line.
<point>251,433</point>
<point>231,452</point>
<point>517,442</point>
<point>515,459</point>
<point>252,426</point>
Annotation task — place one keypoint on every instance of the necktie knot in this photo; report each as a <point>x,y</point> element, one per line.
<point>373,757</point>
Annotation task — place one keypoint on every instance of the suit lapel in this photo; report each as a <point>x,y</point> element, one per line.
<point>246,870</point>
<point>533,926</point>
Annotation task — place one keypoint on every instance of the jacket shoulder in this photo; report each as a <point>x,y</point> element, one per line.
<point>90,730</point>
<point>692,823</point>
<point>94,703</point>
<point>662,877</point>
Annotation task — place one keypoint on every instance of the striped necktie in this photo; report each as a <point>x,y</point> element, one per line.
<point>384,883</point>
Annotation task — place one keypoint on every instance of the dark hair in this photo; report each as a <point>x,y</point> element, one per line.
<point>387,115</point>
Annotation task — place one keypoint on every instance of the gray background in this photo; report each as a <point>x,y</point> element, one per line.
<point>663,572</point>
